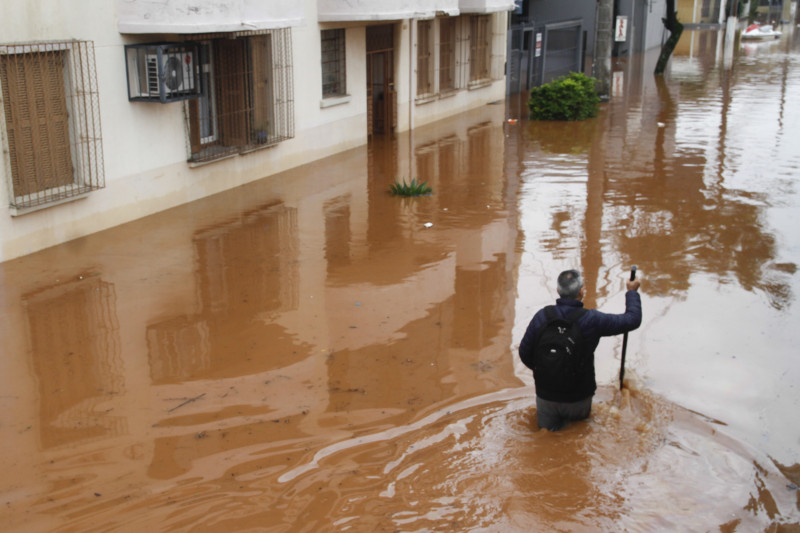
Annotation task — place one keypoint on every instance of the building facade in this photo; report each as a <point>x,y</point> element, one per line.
<point>116,110</point>
<point>551,38</point>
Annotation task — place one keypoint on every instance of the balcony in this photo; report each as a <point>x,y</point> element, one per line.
<point>207,16</point>
<point>348,10</point>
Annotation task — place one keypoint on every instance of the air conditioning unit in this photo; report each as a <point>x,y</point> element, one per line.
<point>163,72</point>
<point>172,73</point>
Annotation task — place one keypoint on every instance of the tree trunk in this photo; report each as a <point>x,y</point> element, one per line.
<point>675,29</point>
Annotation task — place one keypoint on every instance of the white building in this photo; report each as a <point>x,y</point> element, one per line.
<point>116,110</point>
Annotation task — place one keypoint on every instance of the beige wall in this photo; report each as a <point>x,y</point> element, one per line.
<point>144,144</point>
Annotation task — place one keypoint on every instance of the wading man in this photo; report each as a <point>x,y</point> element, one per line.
<point>559,347</point>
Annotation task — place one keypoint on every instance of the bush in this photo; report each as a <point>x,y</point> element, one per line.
<point>570,97</point>
<point>410,189</point>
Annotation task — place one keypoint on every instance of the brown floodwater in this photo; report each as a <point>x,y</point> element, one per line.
<point>309,353</point>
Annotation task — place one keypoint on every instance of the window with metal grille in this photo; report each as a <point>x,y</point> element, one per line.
<point>424,58</point>
<point>52,122</point>
<point>447,54</point>
<point>333,63</point>
<point>247,99</point>
<point>480,48</point>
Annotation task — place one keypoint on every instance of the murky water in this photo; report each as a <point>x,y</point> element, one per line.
<point>309,353</point>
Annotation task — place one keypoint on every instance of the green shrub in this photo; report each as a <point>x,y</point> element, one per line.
<point>410,189</point>
<point>571,97</point>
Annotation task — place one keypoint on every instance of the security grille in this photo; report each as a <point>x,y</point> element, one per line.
<point>562,50</point>
<point>51,122</point>
<point>447,54</point>
<point>424,58</point>
<point>247,99</point>
<point>333,63</point>
<point>480,48</point>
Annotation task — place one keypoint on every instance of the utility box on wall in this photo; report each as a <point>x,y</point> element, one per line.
<point>164,72</point>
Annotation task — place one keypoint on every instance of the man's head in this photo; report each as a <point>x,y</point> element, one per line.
<point>570,285</point>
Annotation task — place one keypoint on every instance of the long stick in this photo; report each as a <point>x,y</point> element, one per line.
<point>190,400</point>
<point>625,341</point>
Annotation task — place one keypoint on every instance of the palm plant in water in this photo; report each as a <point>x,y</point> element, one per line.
<point>414,188</point>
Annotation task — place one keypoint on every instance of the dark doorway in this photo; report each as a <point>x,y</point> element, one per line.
<point>520,58</point>
<point>381,95</point>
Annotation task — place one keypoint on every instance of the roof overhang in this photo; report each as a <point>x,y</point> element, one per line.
<point>368,10</point>
<point>206,16</point>
<point>486,6</point>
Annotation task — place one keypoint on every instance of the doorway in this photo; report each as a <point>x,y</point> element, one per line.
<point>381,94</point>
<point>520,58</point>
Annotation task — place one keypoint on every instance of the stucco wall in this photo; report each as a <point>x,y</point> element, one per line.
<point>145,144</point>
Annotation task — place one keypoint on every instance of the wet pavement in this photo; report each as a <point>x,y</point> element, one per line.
<point>309,353</point>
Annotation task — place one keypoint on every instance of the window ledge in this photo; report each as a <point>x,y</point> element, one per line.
<point>258,147</point>
<point>245,150</point>
<point>18,211</point>
<point>480,84</point>
<point>195,164</point>
<point>424,99</point>
<point>334,101</point>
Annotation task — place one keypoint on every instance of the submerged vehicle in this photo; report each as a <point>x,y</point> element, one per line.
<point>757,32</point>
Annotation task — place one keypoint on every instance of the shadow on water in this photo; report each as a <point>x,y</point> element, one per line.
<point>310,353</point>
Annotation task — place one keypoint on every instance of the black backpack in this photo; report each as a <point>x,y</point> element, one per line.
<point>558,360</point>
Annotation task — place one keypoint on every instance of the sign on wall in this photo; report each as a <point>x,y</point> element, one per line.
<point>621,29</point>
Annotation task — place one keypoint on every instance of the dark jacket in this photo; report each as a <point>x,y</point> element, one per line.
<point>593,325</point>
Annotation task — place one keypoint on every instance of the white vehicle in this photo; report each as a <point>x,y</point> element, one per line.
<point>757,32</point>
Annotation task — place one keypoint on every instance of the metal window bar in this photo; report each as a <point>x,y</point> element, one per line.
<point>50,122</point>
<point>333,63</point>
<point>479,48</point>
<point>251,105</point>
<point>447,54</point>
<point>462,51</point>
<point>424,58</point>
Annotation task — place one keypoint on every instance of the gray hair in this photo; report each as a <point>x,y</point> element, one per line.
<point>570,284</point>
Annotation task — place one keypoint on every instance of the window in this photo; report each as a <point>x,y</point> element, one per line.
<point>247,99</point>
<point>424,58</point>
<point>479,48</point>
<point>333,63</point>
<point>447,54</point>
<point>52,121</point>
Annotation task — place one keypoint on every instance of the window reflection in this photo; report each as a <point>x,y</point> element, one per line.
<point>247,269</point>
<point>74,335</point>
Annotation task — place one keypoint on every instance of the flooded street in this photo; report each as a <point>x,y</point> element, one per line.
<point>309,353</point>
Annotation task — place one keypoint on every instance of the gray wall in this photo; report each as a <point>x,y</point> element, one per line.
<point>645,30</point>
<point>548,11</point>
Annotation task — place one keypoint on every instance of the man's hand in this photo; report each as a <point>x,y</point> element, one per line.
<point>633,285</point>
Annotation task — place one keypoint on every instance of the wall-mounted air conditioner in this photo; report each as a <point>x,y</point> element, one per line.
<point>164,72</point>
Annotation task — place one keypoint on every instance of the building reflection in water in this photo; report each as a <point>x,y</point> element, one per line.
<point>245,268</point>
<point>339,306</point>
<point>656,181</point>
<point>677,204</point>
<point>74,338</point>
